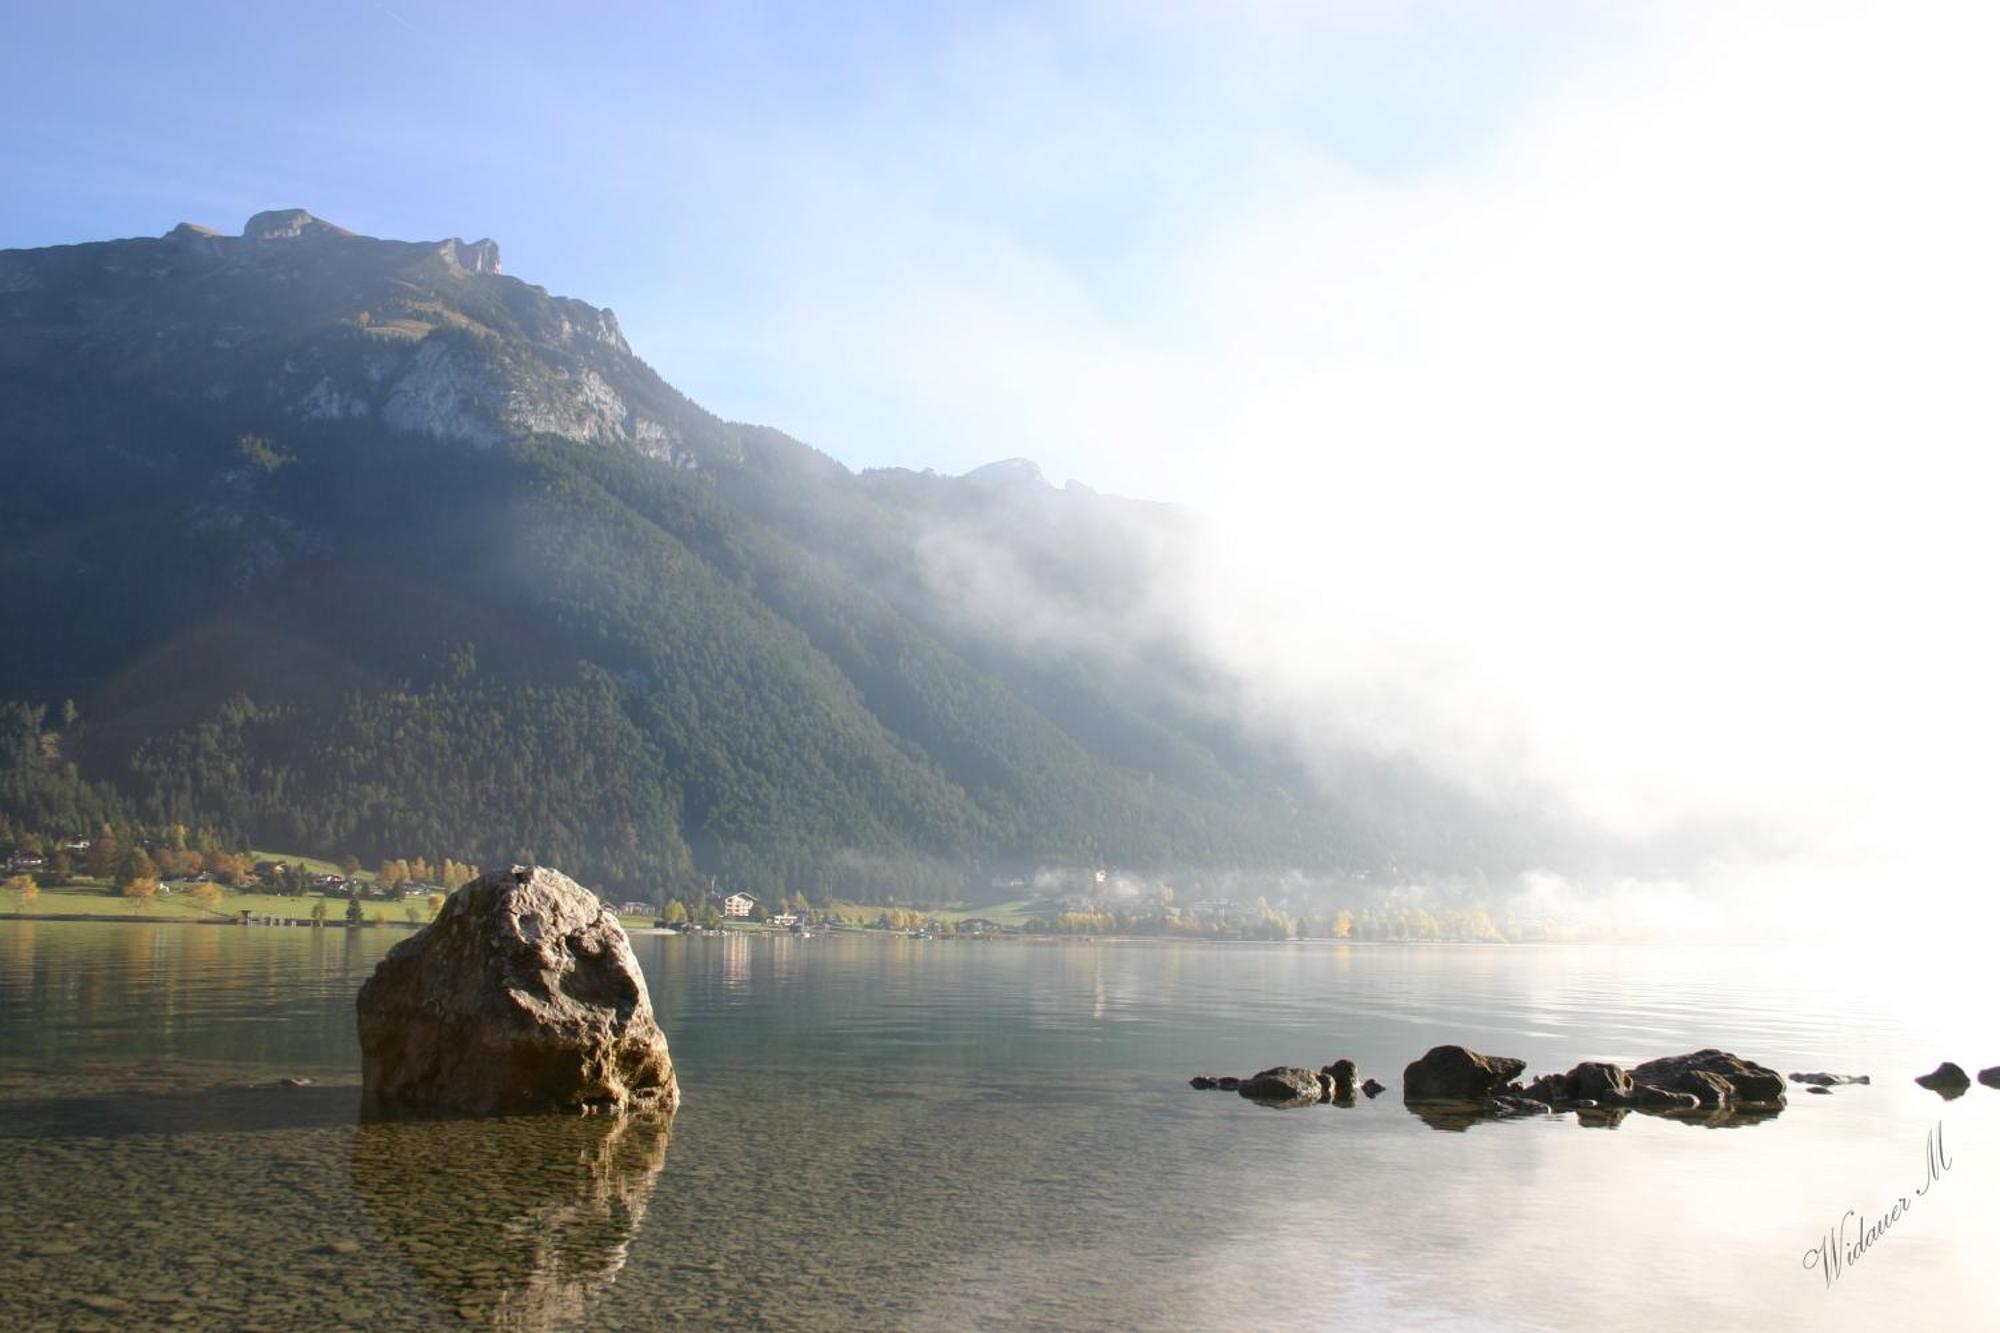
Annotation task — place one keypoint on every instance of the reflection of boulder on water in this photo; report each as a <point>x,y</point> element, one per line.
<point>517,1222</point>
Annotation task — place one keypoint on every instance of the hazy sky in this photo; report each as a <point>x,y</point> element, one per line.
<point>1603,391</point>
<point>921,234</point>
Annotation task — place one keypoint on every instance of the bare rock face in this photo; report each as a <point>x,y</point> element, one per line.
<point>523,996</point>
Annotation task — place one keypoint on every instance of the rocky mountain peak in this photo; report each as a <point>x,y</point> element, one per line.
<point>284,224</point>
<point>1008,472</point>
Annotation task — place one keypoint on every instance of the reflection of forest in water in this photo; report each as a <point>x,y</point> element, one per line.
<point>517,1222</point>
<point>181,1007</point>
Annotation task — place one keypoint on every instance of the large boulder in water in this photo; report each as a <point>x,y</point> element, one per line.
<point>1455,1074</point>
<point>522,996</point>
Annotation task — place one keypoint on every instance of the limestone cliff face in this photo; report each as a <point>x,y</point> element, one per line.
<point>445,392</point>
<point>479,257</point>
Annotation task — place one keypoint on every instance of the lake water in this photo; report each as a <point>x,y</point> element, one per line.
<point>883,1132</point>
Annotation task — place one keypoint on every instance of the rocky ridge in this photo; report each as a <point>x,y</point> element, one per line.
<point>427,337</point>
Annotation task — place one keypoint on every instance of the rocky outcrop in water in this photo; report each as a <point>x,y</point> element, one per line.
<point>1707,1079</point>
<point>1716,1078</point>
<point>1990,1077</point>
<point>1457,1074</point>
<point>1707,1087</point>
<point>522,996</point>
<point>1827,1080</point>
<point>1947,1081</point>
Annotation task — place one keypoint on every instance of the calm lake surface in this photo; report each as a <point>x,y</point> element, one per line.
<point>961,1134</point>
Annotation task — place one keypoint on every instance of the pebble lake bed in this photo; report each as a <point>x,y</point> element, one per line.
<point>887,1132</point>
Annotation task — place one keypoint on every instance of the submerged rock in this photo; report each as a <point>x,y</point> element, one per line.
<point>1649,1097</point>
<point>522,996</point>
<point>1456,1074</point>
<point>1201,1081</point>
<point>1947,1080</point>
<point>1827,1080</point>
<point>1283,1084</point>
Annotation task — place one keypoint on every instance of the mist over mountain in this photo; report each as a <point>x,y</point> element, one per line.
<point>347,544</point>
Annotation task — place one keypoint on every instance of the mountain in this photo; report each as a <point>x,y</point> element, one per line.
<point>349,544</point>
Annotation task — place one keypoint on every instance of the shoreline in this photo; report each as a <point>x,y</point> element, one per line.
<point>636,932</point>
<point>127,919</point>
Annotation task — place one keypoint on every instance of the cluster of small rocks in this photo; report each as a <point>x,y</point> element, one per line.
<point>1824,1084</point>
<point>1294,1085</point>
<point>1454,1086</point>
<point>1458,1084</point>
